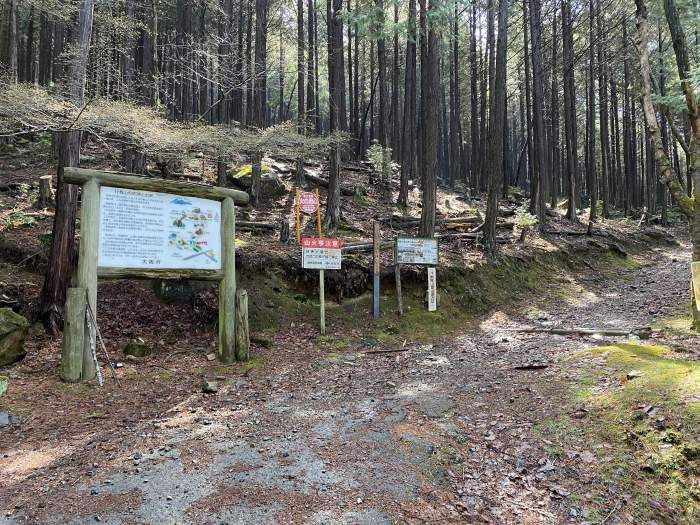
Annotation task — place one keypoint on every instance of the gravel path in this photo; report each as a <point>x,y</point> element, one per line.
<point>438,433</point>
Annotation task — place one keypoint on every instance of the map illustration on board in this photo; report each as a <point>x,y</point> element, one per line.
<point>147,229</point>
<point>189,230</point>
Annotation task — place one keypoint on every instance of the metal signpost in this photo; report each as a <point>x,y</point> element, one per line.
<point>307,202</point>
<point>321,254</point>
<point>142,227</point>
<point>422,252</point>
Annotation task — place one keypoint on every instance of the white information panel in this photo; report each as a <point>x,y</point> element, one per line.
<point>147,229</point>
<point>321,254</point>
<point>410,250</point>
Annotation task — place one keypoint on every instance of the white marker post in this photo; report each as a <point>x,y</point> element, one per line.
<point>432,289</point>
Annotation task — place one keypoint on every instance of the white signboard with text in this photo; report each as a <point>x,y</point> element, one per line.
<point>411,250</point>
<point>321,254</point>
<point>147,229</point>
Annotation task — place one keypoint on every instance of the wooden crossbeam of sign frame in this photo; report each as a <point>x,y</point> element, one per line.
<point>147,228</point>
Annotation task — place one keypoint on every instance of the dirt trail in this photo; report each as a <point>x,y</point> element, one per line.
<point>438,433</point>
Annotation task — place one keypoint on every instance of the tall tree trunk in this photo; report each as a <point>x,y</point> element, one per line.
<point>310,97</point>
<point>497,121</point>
<point>528,111</point>
<point>383,98</point>
<point>335,77</point>
<point>474,102</point>
<point>408,152</point>
<point>604,133</point>
<point>626,128</point>
<point>590,121</point>
<point>430,101</point>
<point>555,133</point>
<point>395,113</point>
<point>11,55</point>
<point>301,93</point>
<point>539,149</point>
<point>62,256</point>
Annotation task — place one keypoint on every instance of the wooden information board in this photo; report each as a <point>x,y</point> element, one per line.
<point>142,227</point>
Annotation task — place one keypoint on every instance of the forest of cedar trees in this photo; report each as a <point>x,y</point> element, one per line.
<point>554,98</point>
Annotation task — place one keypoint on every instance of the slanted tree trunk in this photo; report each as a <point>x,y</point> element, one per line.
<point>62,255</point>
<point>663,163</point>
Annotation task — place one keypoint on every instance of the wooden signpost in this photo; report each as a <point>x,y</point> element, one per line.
<point>422,252</point>
<point>142,227</point>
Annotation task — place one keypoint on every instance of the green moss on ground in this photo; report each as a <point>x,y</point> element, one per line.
<point>247,170</point>
<point>648,424</point>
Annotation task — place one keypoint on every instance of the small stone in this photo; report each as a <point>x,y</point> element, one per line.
<point>359,500</point>
<point>633,374</point>
<point>211,356</point>
<point>209,386</point>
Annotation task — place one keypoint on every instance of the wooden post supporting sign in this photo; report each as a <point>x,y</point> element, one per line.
<point>227,287</point>
<point>376,256</point>
<point>87,265</point>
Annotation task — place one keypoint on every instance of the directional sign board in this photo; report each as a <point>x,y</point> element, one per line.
<point>308,202</point>
<point>410,250</point>
<point>321,254</point>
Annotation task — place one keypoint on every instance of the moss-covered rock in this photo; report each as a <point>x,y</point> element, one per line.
<point>13,332</point>
<point>138,348</point>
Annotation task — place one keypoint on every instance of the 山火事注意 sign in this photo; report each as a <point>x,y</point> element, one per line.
<point>321,254</point>
<point>410,250</point>
<point>147,229</point>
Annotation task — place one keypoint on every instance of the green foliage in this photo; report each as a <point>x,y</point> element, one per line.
<point>380,159</point>
<point>525,219</point>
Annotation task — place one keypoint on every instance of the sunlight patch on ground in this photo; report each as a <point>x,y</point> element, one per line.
<point>496,320</point>
<point>641,405</point>
<point>415,389</point>
<point>19,463</point>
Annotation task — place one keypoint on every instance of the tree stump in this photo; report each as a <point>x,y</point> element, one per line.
<point>284,230</point>
<point>45,192</point>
